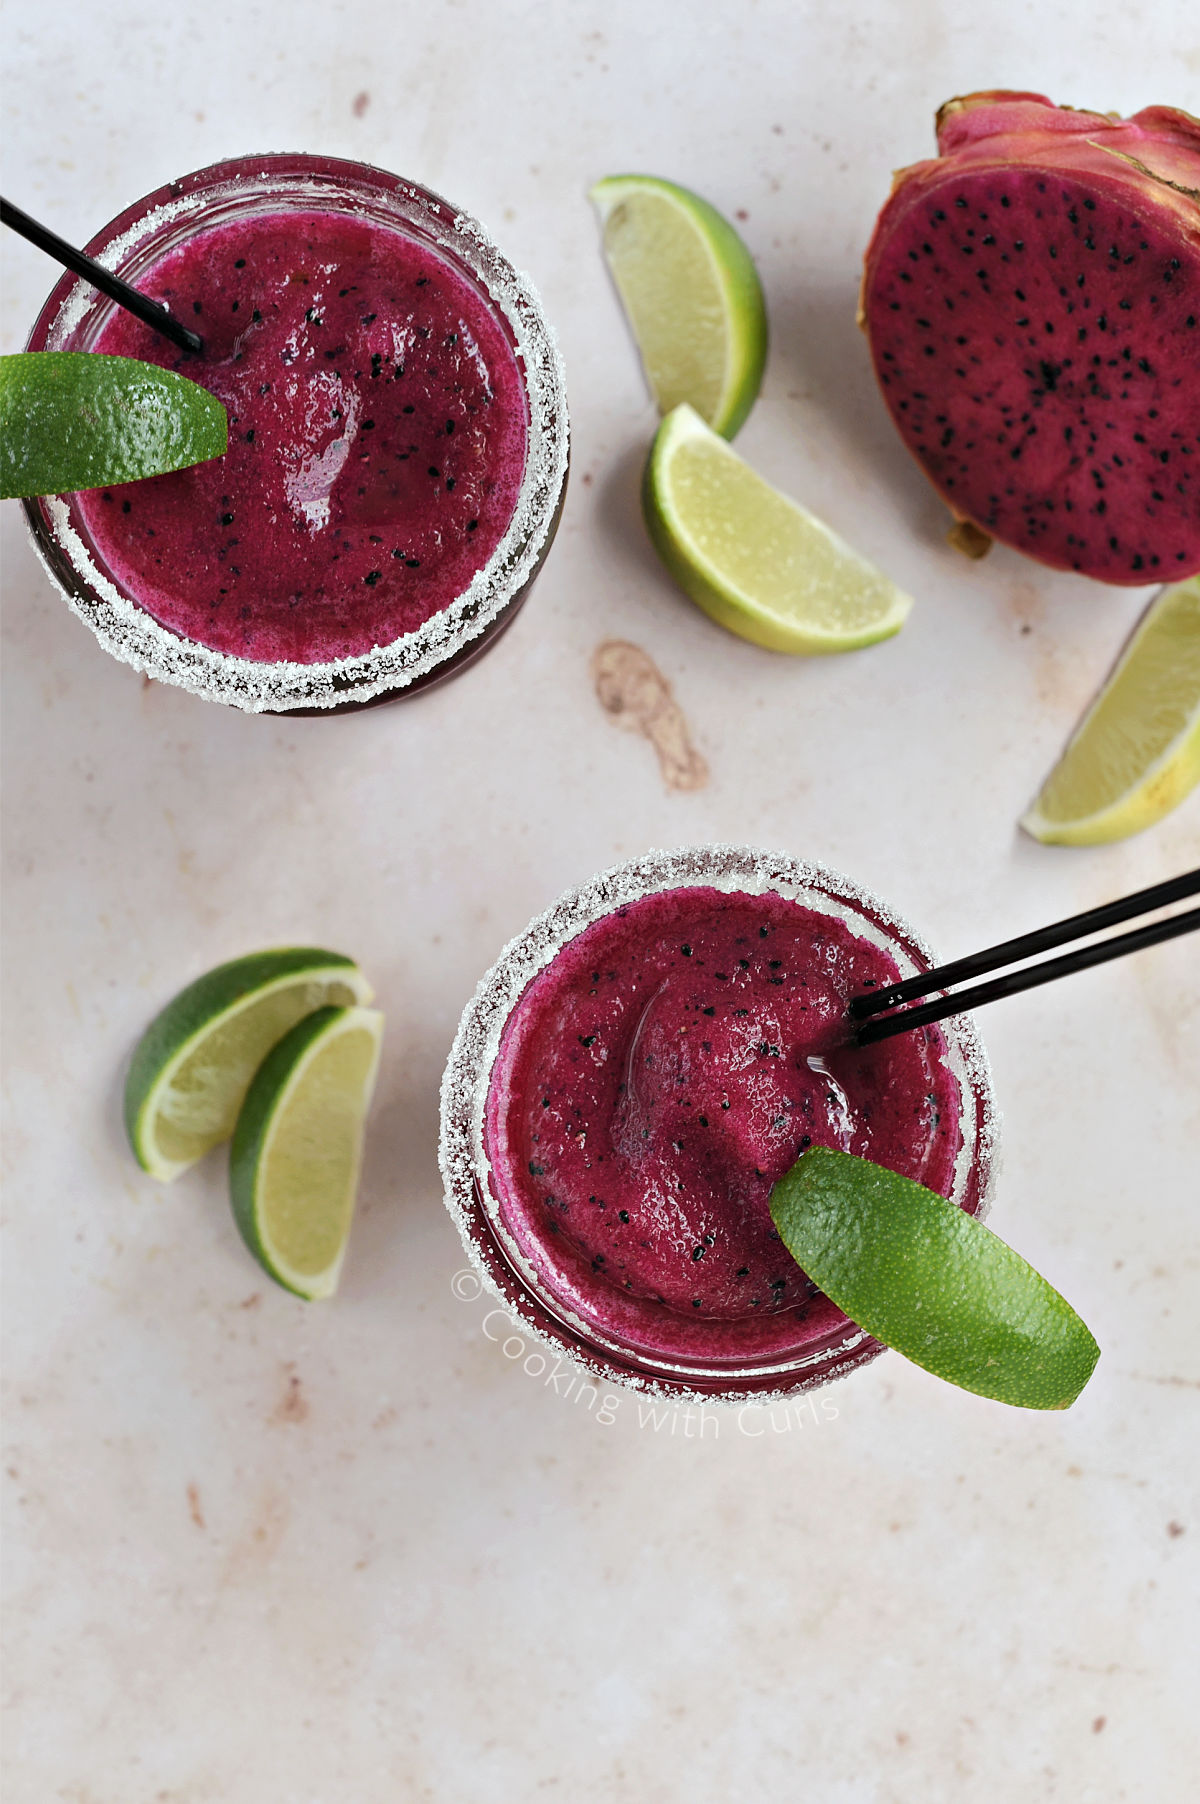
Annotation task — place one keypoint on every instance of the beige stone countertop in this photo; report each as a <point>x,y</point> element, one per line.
<point>262,1552</point>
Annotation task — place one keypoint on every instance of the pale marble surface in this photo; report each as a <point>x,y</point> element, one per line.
<point>260,1551</point>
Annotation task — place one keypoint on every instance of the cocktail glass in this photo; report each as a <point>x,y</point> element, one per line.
<point>242,194</point>
<point>527,1258</point>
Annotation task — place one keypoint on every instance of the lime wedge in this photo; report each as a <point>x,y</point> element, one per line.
<point>759,563</point>
<point>924,1277</point>
<point>297,1147</point>
<point>78,420</point>
<point>692,295</point>
<point>1136,752</point>
<point>193,1065</point>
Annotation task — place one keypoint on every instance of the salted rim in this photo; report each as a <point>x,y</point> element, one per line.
<point>462,1157</point>
<point>129,633</point>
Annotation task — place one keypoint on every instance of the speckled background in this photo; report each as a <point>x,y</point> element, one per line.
<point>264,1553</point>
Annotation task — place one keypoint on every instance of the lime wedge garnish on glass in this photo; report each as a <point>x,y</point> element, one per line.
<point>297,1147</point>
<point>1136,752</point>
<point>692,295</point>
<point>78,420</point>
<point>193,1065</point>
<point>758,562</point>
<point>922,1276</point>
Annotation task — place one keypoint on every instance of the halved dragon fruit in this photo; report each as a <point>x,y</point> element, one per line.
<point>1032,300</point>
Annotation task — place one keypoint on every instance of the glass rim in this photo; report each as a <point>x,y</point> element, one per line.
<point>507,1272</point>
<point>128,632</point>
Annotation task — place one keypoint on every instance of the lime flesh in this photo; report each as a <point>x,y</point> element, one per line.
<point>691,293</point>
<point>193,1065</point>
<point>1136,753</point>
<point>925,1278</point>
<point>80,420</point>
<point>757,562</point>
<point>297,1147</point>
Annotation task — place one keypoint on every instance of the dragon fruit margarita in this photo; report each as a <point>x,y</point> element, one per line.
<point>397,439</point>
<point>637,1071</point>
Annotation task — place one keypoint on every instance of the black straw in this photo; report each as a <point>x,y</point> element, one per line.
<point>151,313</point>
<point>1029,978</point>
<point>1026,945</point>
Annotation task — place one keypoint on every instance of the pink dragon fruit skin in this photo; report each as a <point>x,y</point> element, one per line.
<point>1032,301</point>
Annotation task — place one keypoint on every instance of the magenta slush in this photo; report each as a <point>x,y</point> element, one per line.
<point>377,439</point>
<point>660,1075</point>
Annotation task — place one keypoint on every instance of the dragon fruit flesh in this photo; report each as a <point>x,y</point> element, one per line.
<point>1032,301</point>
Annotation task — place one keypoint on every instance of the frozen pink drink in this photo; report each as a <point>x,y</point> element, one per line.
<point>377,430</point>
<point>656,1076</point>
<point>397,439</point>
